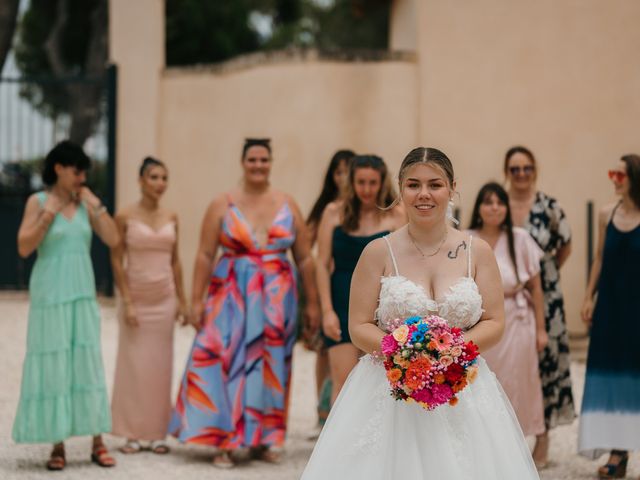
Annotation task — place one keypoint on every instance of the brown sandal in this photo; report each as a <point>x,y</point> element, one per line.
<point>57,461</point>
<point>100,456</point>
<point>266,454</point>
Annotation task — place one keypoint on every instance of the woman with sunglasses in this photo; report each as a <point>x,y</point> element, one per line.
<point>610,416</point>
<point>347,226</point>
<point>544,219</point>
<point>235,389</point>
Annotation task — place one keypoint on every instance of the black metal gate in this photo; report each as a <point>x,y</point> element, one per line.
<point>27,133</point>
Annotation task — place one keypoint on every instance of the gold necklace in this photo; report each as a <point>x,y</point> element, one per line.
<point>420,250</point>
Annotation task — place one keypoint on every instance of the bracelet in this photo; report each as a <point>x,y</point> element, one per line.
<point>99,210</point>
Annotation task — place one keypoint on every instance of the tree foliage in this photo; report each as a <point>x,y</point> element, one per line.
<point>64,38</point>
<point>8,20</point>
<point>209,32</point>
<point>69,37</point>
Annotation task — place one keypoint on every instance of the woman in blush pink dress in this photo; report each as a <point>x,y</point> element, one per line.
<point>149,277</point>
<point>514,359</point>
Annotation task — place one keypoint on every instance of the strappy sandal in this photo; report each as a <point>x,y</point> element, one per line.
<point>615,470</point>
<point>223,460</point>
<point>266,454</point>
<point>159,447</point>
<point>101,457</point>
<point>56,461</point>
<point>132,446</point>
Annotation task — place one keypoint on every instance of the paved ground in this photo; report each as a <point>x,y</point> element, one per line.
<point>26,461</point>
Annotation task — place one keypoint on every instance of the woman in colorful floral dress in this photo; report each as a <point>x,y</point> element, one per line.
<point>546,222</point>
<point>234,392</point>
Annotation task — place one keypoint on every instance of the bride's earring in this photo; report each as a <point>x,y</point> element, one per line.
<point>450,213</point>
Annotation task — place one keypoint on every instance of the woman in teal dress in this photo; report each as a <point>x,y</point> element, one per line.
<point>63,391</point>
<point>346,227</point>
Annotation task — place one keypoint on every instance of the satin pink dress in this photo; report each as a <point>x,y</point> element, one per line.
<point>514,359</point>
<point>141,404</point>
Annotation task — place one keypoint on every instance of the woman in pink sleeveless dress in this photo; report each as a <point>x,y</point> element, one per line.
<point>514,359</point>
<point>149,277</point>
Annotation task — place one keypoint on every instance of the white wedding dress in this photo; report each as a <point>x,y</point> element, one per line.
<point>369,435</point>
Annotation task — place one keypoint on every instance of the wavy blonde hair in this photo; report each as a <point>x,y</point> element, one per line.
<point>386,196</point>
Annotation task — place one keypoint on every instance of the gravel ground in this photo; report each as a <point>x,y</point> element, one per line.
<point>27,461</point>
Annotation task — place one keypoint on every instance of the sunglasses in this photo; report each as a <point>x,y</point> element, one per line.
<point>526,170</point>
<point>617,176</point>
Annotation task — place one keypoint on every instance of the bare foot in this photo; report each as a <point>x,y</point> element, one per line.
<point>541,451</point>
<point>223,460</point>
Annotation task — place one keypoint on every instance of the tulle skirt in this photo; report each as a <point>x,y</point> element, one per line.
<point>369,435</point>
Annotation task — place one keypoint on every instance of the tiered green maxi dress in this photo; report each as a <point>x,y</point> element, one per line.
<point>63,391</point>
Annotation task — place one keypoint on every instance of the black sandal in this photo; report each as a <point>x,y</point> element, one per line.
<point>615,470</point>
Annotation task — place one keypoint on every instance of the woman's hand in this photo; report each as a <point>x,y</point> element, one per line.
<point>130,315</point>
<point>183,314</point>
<point>197,311</point>
<point>311,318</point>
<point>89,198</point>
<point>331,326</point>
<point>542,339</point>
<point>587,311</point>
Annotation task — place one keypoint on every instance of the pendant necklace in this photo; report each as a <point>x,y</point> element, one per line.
<point>422,254</point>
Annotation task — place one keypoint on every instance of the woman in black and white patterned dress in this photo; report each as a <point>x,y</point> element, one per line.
<point>546,222</point>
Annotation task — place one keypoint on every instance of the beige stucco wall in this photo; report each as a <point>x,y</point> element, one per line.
<point>309,107</point>
<point>136,46</point>
<point>561,77</point>
<point>558,76</point>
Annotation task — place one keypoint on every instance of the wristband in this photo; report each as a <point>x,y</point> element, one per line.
<point>99,210</point>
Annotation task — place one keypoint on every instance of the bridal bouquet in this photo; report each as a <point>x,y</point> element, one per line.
<point>427,361</point>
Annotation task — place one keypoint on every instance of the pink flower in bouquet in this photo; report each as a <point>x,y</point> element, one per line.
<point>400,334</point>
<point>423,396</point>
<point>389,345</point>
<point>456,351</point>
<point>442,340</point>
<point>441,393</point>
<point>446,360</point>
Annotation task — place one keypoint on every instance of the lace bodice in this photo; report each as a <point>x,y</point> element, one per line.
<point>400,298</point>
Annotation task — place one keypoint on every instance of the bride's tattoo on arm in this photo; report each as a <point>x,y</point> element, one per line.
<point>452,255</point>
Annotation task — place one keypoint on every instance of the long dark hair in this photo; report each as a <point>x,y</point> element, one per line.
<point>330,190</point>
<point>476,220</point>
<point>633,174</point>
<point>386,195</point>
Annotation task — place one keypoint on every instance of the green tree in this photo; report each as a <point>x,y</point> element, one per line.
<point>207,31</point>
<point>64,38</point>
<point>8,18</point>
<point>351,24</point>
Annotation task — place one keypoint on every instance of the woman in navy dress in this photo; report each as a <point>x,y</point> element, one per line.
<point>347,226</point>
<point>610,418</point>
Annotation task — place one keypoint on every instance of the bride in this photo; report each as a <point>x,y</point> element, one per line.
<point>424,268</point>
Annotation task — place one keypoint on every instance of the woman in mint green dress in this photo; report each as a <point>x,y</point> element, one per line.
<point>63,391</point>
